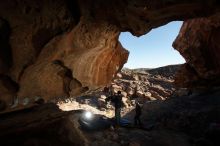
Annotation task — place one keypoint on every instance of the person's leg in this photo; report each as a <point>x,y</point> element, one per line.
<point>135,120</point>
<point>139,120</point>
<point>118,116</point>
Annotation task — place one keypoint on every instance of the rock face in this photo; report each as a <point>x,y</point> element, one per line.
<point>198,42</point>
<point>62,48</point>
<point>52,53</point>
<point>76,59</point>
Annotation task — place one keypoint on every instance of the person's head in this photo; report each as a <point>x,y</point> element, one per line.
<point>119,92</point>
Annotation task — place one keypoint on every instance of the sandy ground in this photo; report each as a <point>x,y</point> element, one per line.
<point>73,105</point>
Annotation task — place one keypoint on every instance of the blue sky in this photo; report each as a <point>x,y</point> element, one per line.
<point>153,49</point>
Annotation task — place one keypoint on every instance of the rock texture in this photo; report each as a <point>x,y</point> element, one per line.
<point>41,125</point>
<point>71,59</point>
<point>62,48</point>
<point>198,43</point>
<point>52,54</point>
<point>150,84</point>
<point>143,85</point>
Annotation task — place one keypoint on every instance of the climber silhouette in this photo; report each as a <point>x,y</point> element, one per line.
<point>117,100</point>
<point>137,120</point>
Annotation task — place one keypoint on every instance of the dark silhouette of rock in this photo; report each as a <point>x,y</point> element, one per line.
<point>198,44</point>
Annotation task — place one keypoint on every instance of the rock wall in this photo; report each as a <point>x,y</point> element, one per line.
<point>52,53</point>
<point>89,59</point>
<point>198,43</point>
<point>51,48</point>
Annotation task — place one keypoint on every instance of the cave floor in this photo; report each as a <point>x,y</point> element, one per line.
<point>183,121</point>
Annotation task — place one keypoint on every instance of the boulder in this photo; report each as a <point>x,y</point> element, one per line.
<point>101,103</point>
<point>124,94</point>
<point>147,94</point>
<point>124,101</point>
<point>103,97</point>
<point>136,77</point>
<point>161,91</point>
<point>139,94</point>
<point>156,95</point>
<point>129,91</point>
<point>119,75</point>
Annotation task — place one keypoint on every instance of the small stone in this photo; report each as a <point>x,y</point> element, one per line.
<point>103,97</point>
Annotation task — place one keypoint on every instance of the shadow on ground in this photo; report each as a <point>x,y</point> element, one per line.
<point>194,119</point>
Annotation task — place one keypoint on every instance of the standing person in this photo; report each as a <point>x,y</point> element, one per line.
<point>117,100</point>
<point>137,120</point>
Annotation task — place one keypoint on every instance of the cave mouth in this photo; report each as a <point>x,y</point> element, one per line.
<point>153,49</point>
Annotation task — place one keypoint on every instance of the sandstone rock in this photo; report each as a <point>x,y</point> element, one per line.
<point>37,81</point>
<point>124,94</point>
<point>133,84</point>
<point>159,90</point>
<point>136,77</point>
<point>103,97</point>
<point>147,94</point>
<point>119,75</point>
<point>36,45</point>
<point>101,103</point>
<point>115,88</point>
<point>139,93</point>
<point>138,87</point>
<point>156,95</point>
<point>129,91</point>
<point>34,35</point>
<point>126,76</point>
<point>124,101</point>
<point>198,44</point>
<point>151,98</point>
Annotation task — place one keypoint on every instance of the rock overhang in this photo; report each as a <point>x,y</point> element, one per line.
<point>82,36</point>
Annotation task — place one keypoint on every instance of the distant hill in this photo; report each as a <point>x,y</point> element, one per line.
<point>166,71</point>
